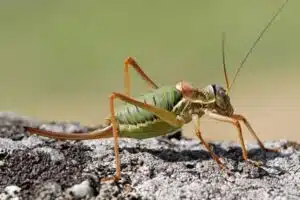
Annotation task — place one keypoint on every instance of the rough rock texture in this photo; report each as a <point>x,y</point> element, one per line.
<point>170,167</point>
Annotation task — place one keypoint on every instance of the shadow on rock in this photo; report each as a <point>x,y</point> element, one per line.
<point>234,153</point>
<point>30,167</point>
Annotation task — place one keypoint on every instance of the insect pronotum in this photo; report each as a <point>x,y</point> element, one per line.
<point>166,109</point>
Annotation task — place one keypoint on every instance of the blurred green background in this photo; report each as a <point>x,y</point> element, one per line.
<point>61,59</point>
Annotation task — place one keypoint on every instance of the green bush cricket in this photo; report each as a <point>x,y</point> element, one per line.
<point>166,109</point>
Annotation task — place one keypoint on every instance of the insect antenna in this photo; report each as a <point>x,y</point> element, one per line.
<point>256,41</point>
<point>224,62</point>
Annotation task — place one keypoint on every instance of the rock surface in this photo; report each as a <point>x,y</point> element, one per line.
<point>171,167</point>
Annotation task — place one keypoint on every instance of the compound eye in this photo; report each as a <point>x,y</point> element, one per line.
<point>222,93</point>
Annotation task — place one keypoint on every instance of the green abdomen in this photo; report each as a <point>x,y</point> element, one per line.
<point>139,123</point>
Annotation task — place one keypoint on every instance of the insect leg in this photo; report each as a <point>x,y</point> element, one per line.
<point>96,134</point>
<point>199,135</point>
<point>131,62</point>
<point>236,123</point>
<point>247,124</point>
<point>165,115</point>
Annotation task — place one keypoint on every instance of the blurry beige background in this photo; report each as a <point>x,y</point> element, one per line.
<point>61,59</point>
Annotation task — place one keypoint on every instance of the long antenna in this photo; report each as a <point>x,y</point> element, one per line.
<point>256,41</point>
<point>224,63</point>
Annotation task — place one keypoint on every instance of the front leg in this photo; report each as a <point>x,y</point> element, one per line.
<point>234,122</point>
<point>247,124</point>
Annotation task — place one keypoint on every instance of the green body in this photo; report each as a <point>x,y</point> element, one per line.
<point>137,123</point>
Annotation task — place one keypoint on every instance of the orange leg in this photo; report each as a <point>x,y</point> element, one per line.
<point>247,124</point>
<point>117,175</point>
<point>199,135</point>
<point>165,115</point>
<point>236,123</point>
<point>97,134</point>
<point>131,62</point>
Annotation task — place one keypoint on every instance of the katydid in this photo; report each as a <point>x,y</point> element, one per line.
<point>166,109</point>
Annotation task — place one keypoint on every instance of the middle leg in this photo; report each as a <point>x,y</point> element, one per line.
<point>199,135</point>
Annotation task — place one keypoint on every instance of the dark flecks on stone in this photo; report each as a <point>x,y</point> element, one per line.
<point>150,169</point>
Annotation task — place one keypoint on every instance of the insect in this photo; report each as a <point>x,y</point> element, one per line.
<point>166,109</point>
